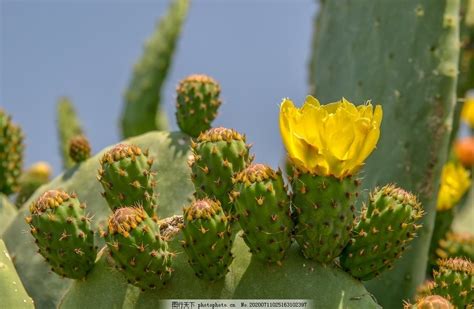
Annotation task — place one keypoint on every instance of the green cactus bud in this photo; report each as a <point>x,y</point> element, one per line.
<point>141,252</point>
<point>207,239</point>
<point>430,302</point>
<point>63,233</point>
<point>324,210</point>
<point>384,230</point>
<point>425,289</point>
<point>34,177</point>
<point>454,280</point>
<point>79,148</point>
<point>197,102</point>
<point>456,245</point>
<point>218,154</point>
<point>11,154</point>
<point>263,208</point>
<point>127,179</point>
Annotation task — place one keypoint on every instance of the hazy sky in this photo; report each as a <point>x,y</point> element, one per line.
<point>257,49</point>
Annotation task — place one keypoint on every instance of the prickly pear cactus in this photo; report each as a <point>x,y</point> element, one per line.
<point>79,149</point>
<point>63,233</point>
<point>31,179</point>
<point>197,101</point>
<point>430,302</point>
<point>325,208</point>
<point>12,292</point>
<point>68,126</point>
<point>127,179</point>
<point>263,211</point>
<point>456,245</point>
<point>454,280</point>
<point>142,110</point>
<point>11,154</point>
<point>141,252</point>
<point>217,155</point>
<point>423,69</point>
<point>171,151</point>
<point>383,232</point>
<point>7,212</point>
<point>207,239</point>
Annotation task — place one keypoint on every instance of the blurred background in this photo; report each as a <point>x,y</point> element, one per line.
<point>257,50</point>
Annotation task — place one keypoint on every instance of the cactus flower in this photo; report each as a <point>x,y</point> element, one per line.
<point>332,139</point>
<point>454,184</point>
<point>467,113</point>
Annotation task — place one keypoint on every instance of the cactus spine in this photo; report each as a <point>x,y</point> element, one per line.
<point>127,179</point>
<point>207,239</point>
<point>79,149</point>
<point>218,154</point>
<point>68,126</point>
<point>63,233</point>
<point>135,243</point>
<point>454,280</point>
<point>384,230</point>
<point>197,102</point>
<point>324,210</point>
<point>263,208</point>
<point>11,154</point>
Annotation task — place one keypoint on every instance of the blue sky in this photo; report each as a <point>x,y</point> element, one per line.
<point>258,50</point>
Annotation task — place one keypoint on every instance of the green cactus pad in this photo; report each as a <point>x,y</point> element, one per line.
<point>430,302</point>
<point>135,243</point>
<point>79,148</point>
<point>68,126</point>
<point>63,233</point>
<point>12,292</point>
<point>456,245</point>
<point>127,179</point>
<point>197,102</point>
<point>263,210</point>
<point>384,230</point>
<point>142,111</point>
<point>454,280</point>
<point>11,154</point>
<point>217,155</point>
<point>7,212</point>
<point>324,210</point>
<point>207,239</point>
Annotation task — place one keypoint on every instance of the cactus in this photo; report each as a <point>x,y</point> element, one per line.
<point>135,243</point>
<point>466,62</point>
<point>79,149</point>
<point>171,151</point>
<point>11,154</point>
<point>414,140</point>
<point>207,239</point>
<point>454,280</point>
<point>142,111</point>
<point>425,289</point>
<point>384,230</point>
<point>7,212</point>
<point>68,126</point>
<point>197,101</point>
<point>34,177</point>
<point>217,155</point>
<point>263,208</point>
<point>456,245</point>
<point>127,179</point>
<point>12,292</point>
<point>62,231</point>
<point>430,302</point>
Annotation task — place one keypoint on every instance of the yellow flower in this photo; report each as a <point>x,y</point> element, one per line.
<point>454,183</point>
<point>40,169</point>
<point>333,139</point>
<point>467,113</point>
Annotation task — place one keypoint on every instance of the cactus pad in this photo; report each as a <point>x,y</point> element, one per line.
<point>456,245</point>
<point>324,210</point>
<point>455,280</point>
<point>207,239</point>
<point>11,154</point>
<point>63,233</point>
<point>263,208</point>
<point>384,230</point>
<point>127,179</point>
<point>217,155</point>
<point>79,148</point>
<point>197,102</point>
<point>135,243</point>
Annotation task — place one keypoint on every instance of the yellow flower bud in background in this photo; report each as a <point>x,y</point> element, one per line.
<point>454,184</point>
<point>332,139</point>
<point>40,169</point>
<point>467,112</point>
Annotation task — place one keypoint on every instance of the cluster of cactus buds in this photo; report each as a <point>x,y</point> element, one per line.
<point>79,149</point>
